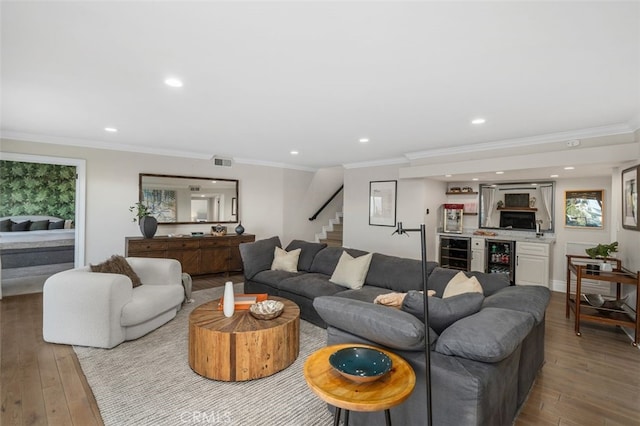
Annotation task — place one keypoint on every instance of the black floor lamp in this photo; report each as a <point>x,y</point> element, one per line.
<point>427,348</point>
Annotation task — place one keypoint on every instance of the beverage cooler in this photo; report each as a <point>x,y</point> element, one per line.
<point>500,258</point>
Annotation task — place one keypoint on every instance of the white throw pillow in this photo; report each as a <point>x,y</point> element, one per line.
<point>285,260</point>
<point>351,272</point>
<point>461,284</point>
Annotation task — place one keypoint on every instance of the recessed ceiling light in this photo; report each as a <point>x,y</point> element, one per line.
<point>569,168</point>
<point>110,129</point>
<point>478,121</point>
<point>534,184</point>
<point>173,82</point>
<point>448,175</point>
<point>475,179</point>
<point>294,152</point>
<point>363,140</point>
<point>499,173</point>
<point>554,176</point>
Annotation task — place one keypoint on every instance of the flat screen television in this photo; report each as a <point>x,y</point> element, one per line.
<point>518,220</point>
<point>516,200</point>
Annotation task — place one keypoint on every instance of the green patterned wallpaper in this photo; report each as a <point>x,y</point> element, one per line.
<point>37,189</point>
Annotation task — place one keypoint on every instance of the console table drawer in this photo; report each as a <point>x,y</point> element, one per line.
<point>214,242</point>
<point>184,244</point>
<point>147,245</point>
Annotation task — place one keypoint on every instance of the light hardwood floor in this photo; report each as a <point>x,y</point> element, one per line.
<point>588,380</point>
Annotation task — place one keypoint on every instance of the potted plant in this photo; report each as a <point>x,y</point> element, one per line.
<point>148,224</point>
<point>601,252</point>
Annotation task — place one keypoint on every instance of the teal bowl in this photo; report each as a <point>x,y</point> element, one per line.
<point>360,364</point>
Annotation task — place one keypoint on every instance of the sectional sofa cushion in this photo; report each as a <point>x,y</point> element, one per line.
<point>20,226</point>
<point>310,285</point>
<point>58,224</point>
<point>326,260</point>
<point>490,335</point>
<point>380,324</point>
<point>396,273</point>
<point>367,293</point>
<point>442,312</point>
<point>273,278</point>
<point>5,225</point>
<point>309,251</point>
<point>535,300</point>
<point>258,256</point>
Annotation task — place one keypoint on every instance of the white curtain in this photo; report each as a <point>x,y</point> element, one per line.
<point>488,205</point>
<point>547,200</point>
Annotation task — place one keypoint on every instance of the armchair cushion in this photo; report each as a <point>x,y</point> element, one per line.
<point>258,256</point>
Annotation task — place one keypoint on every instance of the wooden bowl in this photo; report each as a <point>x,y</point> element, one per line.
<point>267,309</point>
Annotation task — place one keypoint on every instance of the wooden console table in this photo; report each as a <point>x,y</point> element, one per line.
<point>197,255</point>
<point>576,266</point>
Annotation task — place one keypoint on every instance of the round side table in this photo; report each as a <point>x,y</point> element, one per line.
<point>383,394</point>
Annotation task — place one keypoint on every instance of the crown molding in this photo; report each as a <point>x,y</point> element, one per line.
<point>376,163</point>
<point>614,129</point>
<point>110,146</point>
<point>254,162</point>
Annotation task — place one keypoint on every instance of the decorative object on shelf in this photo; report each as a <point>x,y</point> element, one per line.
<point>382,203</point>
<point>148,224</point>
<point>467,189</point>
<point>218,230</point>
<point>229,305</point>
<point>500,204</point>
<point>239,228</point>
<point>361,365</point>
<point>630,198</point>
<point>455,189</point>
<point>601,252</point>
<point>600,302</point>
<point>266,310</point>
<point>532,202</point>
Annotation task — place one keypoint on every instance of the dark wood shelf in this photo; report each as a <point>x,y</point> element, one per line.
<point>461,193</point>
<point>527,209</point>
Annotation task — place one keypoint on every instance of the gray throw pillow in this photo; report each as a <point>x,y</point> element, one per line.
<point>39,225</point>
<point>258,256</point>
<point>442,312</point>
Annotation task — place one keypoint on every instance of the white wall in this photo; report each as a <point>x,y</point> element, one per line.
<point>414,196</point>
<point>304,195</point>
<point>112,186</point>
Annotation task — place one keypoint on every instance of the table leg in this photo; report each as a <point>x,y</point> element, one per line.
<point>336,416</point>
<point>346,417</point>
<point>387,417</point>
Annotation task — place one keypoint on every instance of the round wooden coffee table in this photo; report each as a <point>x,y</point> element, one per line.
<point>242,347</point>
<point>383,394</point>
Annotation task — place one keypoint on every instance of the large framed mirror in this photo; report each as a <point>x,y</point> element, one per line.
<point>518,206</point>
<point>189,199</point>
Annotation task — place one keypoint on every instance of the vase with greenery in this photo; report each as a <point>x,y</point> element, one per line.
<point>601,252</point>
<point>142,215</point>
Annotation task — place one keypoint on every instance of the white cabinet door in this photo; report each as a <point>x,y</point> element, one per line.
<point>477,260</point>
<point>532,270</point>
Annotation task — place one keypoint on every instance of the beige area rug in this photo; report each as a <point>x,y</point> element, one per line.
<point>149,382</point>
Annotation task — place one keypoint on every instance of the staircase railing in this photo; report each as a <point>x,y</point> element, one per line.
<point>326,203</point>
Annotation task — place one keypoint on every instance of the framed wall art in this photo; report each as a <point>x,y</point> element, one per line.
<point>584,209</point>
<point>630,198</point>
<point>382,203</point>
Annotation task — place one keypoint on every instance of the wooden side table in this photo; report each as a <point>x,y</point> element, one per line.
<point>242,347</point>
<point>383,394</point>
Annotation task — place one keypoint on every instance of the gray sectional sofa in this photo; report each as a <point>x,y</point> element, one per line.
<point>486,349</point>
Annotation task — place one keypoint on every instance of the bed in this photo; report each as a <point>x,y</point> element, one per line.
<point>29,257</point>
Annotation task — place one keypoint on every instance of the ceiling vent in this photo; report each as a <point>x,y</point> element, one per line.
<point>222,162</point>
<point>194,188</point>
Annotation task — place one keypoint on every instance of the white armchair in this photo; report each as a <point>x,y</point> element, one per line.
<point>102,310</point>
